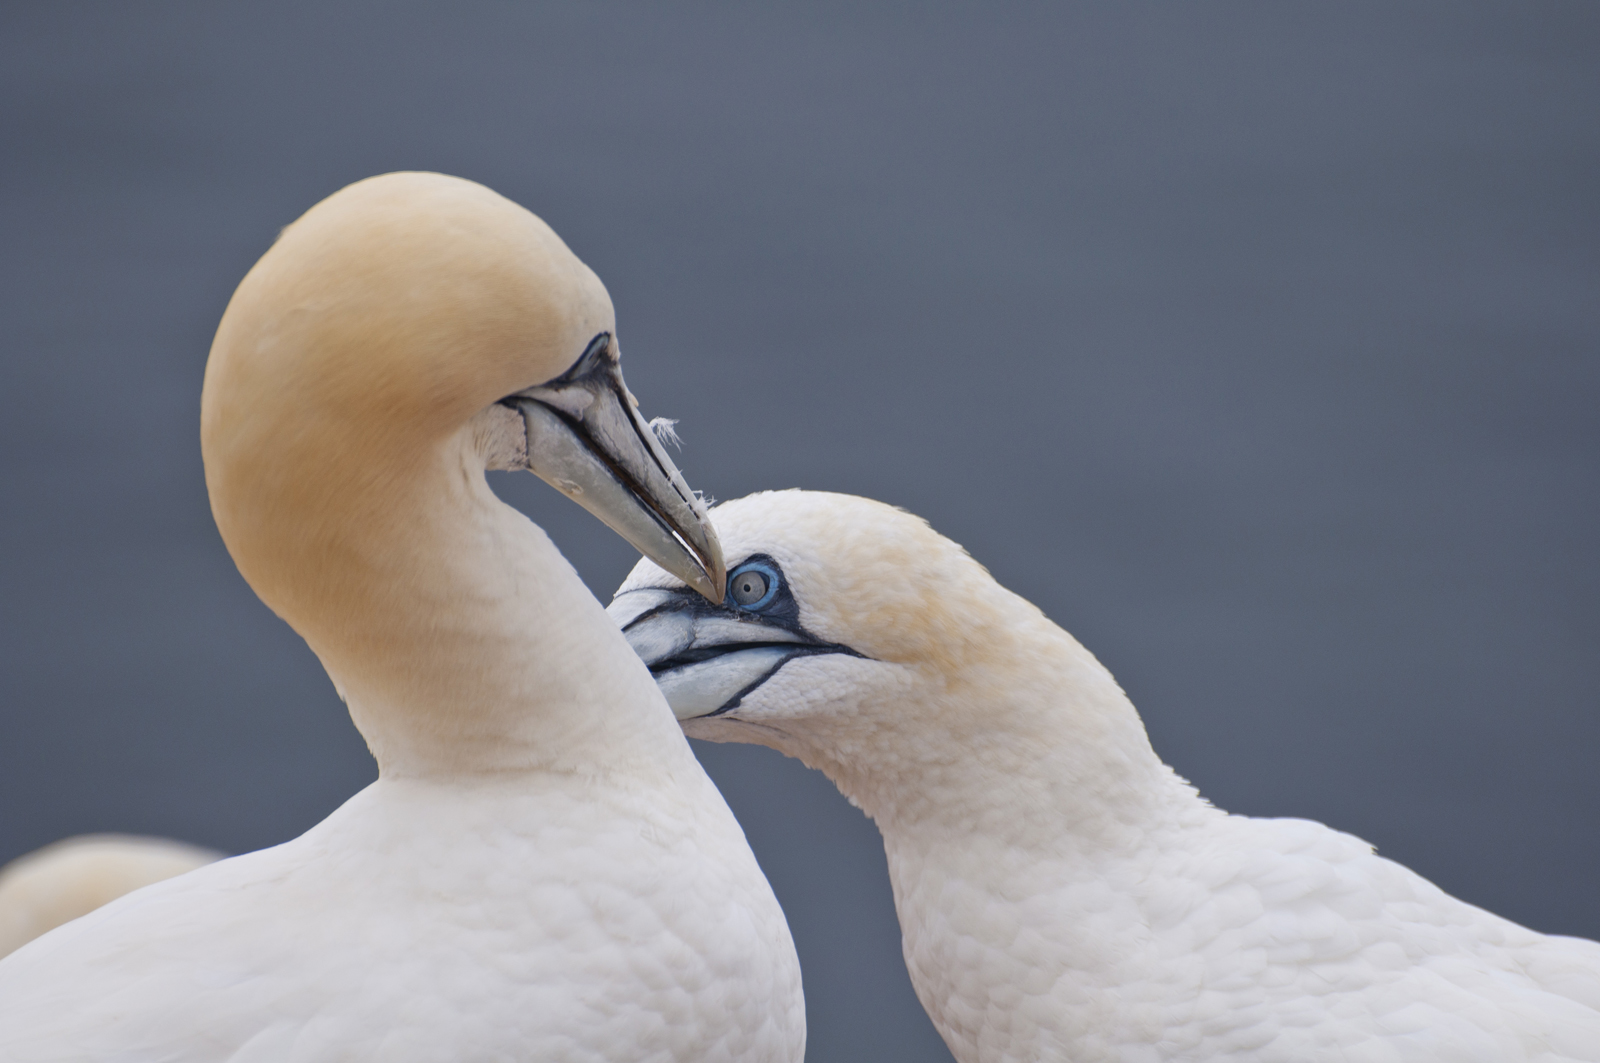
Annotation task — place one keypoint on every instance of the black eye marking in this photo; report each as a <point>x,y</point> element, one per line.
<point>596,356</point>
<point>597,359</point>
<point>773,604</point>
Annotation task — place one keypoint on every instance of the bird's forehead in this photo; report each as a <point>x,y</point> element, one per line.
<point>863,574</point>
<point>438,255</point>
<point>825,543</point>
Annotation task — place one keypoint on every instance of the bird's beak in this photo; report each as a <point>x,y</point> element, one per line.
<point>707,658</point>
<point>587,440</point>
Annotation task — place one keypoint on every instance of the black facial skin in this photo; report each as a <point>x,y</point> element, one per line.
<point>782,611</point>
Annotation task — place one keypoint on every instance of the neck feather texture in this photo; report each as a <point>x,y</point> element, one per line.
<point>458,635</point>
<point>1030,745</point>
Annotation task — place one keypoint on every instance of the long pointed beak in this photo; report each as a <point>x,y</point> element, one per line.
<point>587,440</point>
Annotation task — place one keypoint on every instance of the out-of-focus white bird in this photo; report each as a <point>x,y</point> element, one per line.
<point>1062,894</point>
<point>56,884</point>
<point>542,870</point>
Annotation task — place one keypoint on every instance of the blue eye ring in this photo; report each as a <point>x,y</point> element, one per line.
<point>767,573</point>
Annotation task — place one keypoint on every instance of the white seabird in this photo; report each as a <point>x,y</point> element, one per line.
<point>43,889</point>
<point>1063,895</point>
<point>542,870</point>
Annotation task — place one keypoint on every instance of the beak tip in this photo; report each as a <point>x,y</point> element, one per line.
<point>712,584</point>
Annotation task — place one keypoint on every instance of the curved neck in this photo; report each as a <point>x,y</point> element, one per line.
<point>460,638</point>
<point>1037,750</point>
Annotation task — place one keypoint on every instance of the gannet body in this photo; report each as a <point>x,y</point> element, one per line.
<point>43,889</point>
<point>1062,894</point>
<point>542,870</point>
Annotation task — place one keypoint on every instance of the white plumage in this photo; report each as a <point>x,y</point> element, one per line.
<point>542,871</point>
<point>43,889</point>
<point>1062,894</point>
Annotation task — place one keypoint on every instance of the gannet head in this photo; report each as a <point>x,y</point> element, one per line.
<point>856,638</point>
<point>397,323</point>
<point>838,609</point>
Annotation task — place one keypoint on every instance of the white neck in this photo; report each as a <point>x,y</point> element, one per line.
<point>1035,748</point>
<point>464,642</point>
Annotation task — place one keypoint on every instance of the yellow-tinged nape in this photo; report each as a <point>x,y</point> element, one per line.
<point>375,327</point>
<point>348,415</point>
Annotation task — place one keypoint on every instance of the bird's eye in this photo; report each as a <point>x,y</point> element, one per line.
<point>753,586</point>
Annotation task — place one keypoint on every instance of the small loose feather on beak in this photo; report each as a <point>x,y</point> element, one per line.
<point>587,440</point>
<point>666,431</point>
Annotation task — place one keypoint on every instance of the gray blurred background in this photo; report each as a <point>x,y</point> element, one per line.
<point>1258,343</point>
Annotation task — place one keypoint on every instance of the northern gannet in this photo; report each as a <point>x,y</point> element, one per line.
<point>1062,894</point>
<point>542,870</point>
<point>43,889</point>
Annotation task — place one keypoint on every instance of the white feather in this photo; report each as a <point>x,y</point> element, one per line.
<point>666,430</point>
<point>1063,895</point>
<point>542,871</point>
<point>72,877</point>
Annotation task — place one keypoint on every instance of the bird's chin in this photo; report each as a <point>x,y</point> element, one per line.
<point>714,729</point>
<point>735,729</point>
